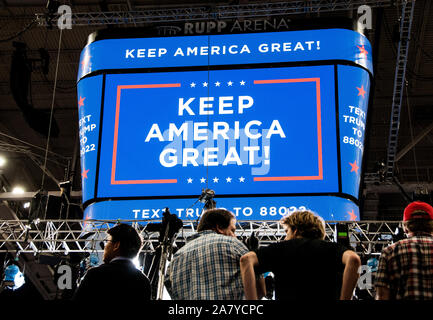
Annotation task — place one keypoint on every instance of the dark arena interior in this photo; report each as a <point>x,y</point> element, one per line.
<point>114,110</point>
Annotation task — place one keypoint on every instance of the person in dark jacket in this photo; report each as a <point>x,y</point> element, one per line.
<point>306,267</point>
<point>117,279</point>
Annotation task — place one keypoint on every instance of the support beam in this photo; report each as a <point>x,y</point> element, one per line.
<point>44,169</point>
<point>406,19</point>
<point>365,232</point>
<point>33,270</point>
<point>417,139</point>
<point>425,20</point>
<point>27,196</point>
<point>191,13</point>
<point>393,188</point>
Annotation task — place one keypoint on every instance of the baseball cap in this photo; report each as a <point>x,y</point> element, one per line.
<point>412,210</point>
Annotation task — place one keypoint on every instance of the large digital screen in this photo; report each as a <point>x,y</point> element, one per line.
<point>267,134</point>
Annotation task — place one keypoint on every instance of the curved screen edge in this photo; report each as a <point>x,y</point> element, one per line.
<point>174,133</point>
<point>330,208</point>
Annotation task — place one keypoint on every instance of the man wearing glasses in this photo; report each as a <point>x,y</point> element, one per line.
<point>117,279</point>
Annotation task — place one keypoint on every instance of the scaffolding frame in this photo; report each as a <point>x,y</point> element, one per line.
<point>67,236</point>
<point>406,19</point>
<point>149,15</point>
<point>152,15</point>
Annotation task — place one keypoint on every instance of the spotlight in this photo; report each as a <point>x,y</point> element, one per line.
<point>2,161</point>
<point>26,205</point>
<point>18,190</point>
<point>136,263</point>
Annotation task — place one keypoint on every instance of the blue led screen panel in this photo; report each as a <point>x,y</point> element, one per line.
<point>331,208</point>
<point>229,49</point>
<point>266,138</point>
<point>89,105</point>
<point>353,93</point>
<point>170,134</point>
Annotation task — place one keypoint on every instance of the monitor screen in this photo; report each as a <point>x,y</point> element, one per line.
<point>267,138</point>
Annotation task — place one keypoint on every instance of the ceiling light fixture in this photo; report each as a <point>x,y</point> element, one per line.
<point>18,190</point>
<point>2,161</point>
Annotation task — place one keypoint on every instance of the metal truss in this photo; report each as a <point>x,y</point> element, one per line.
<point>371,178</point>
<point>177,14</point>
<point>147,15</point>
<point>406,19</point>
<point>67,236</point>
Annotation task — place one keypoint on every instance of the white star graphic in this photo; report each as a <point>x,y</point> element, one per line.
<point>217,84</point>
<point>204,84</point>
<point>215,180</point>
<point>192,84</point>
<point>202,180</point>
<point>241,179</point>
<point>228,179</point>
<point>242,83</point>
<point>189,180</point>
<point>229,83</point>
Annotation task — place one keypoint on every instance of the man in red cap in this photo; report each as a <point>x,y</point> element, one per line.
<point>406,267</point>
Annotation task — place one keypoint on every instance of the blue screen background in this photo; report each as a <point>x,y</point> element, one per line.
<point>294,105</point>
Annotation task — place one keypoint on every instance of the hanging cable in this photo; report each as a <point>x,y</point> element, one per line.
<point>389,36</point>
<point>32,145</point>
<point>31,24</point>
<point>52,109</point>
<point>66,89</point>
<point>411,132</point>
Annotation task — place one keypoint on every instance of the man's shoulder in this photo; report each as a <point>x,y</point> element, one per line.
<point>398,247</point>
<point>101,269</point>
<point>213,236</point>
<point>223,239</point>
<point>98,269</point>
<point>409,242</point>
<point>119,269</point>
<point>214,239</point>
<point>307,244</point>
<point>334,245</point>
<point>114,266</point>
<point>95,273</point>
<point>421,238</point>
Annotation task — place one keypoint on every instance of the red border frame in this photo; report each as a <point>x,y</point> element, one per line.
<point>176,85</point>
<point>116,129</point>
